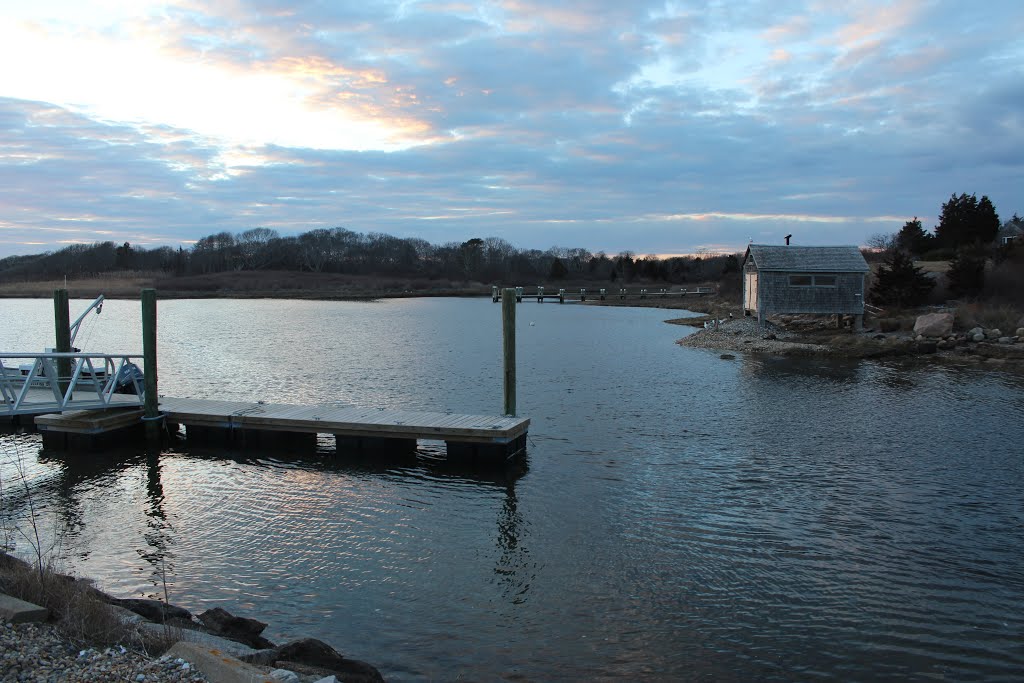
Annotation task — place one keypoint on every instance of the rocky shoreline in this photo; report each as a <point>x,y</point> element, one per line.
<point>45,652</point>
<point>930,338</point>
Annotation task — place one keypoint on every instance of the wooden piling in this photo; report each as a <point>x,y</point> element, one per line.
<point>62,323</point>
<point>151,403</point>
<point>508,328</point>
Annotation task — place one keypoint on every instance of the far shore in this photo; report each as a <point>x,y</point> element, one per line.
<point>323,286</point>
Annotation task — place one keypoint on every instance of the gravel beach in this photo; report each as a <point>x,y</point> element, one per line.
<point>37,652</point>
<point>743,334</point>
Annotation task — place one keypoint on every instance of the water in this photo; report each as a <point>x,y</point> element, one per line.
<point>679,516</point>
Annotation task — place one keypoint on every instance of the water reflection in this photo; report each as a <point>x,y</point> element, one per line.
<point>159,533</point>
<point>836,371</point>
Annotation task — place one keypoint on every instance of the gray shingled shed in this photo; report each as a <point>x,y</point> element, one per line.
<point>790,279</point>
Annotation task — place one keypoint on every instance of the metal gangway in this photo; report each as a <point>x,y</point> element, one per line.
<point>33,383</point>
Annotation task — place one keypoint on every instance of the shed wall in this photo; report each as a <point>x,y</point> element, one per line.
<point>775,295</point>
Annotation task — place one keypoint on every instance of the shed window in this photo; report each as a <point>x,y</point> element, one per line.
<point>812,280</point>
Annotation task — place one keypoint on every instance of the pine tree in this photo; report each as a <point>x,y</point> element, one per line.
<point>966,275</point>
<point>900,283</point>
<point>965,221</point>
<point>913,238</point>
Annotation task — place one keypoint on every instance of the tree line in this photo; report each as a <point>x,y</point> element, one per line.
<point>967,237</point>
<point>339,250</point>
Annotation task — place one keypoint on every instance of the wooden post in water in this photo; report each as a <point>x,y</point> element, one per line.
<point>508,336</point>
<point>151,404</point>
<point>62,322</point>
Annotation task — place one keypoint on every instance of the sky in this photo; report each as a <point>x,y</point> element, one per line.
<point>656,127</point>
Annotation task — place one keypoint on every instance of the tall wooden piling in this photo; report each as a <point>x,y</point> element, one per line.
<point>508,329</point>
<point>151,404</point>
<point>62,323</point>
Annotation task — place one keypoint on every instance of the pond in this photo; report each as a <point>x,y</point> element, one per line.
<point>677,515</point>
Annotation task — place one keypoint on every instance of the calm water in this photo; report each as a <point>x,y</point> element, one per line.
<point>679,516</point>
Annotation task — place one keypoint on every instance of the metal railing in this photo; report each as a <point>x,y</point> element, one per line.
<point>31,383</point>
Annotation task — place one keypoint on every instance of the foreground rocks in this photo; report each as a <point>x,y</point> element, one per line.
<point>743,334</point>
<point>43,651</point>
<point>38,652</point>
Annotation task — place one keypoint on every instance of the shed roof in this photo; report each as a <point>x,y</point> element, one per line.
<point>807,259</point>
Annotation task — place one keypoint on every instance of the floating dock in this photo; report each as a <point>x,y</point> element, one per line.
<point>246,424</point>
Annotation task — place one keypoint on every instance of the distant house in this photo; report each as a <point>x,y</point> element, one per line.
<point>790,279</point>
<point>1011,230</point>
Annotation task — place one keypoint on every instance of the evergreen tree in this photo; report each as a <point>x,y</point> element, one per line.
<point>966,275</point>
<point>914,239</point>
<point>965,221</point>
<point>900,283</point>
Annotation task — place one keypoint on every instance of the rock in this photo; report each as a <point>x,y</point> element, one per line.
<point>926,347</point>
<point>946,345</point>
<point>975,330</point>
<point>978,337</point>
<point>1005,340</point>
<point>994,333</point>
<point>727,356</point>
<point>153,610</point>
<point>769,336</point>
<point>240,629</point>
<point>1019,332</point>
<point>315,653</point>
<point>934,324</point>
<point>888,324</point>
<point>284,675</point>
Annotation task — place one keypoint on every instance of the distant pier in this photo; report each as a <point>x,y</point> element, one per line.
<point>562,295</point>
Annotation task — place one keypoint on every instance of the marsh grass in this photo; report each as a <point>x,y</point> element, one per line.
<point>1003,316</point>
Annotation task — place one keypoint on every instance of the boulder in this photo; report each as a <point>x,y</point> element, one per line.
<point>319,655</point>
<point>978,337</point>
<point>994,333</point>
<point>934,324</point>
<point>153,610</point>
<point>976,330</point>
<point>240,629</point>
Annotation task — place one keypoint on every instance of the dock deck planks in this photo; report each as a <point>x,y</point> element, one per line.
<point>344,420</point>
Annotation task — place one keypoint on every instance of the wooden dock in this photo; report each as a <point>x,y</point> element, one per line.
<point>563,295</point>
<point>254,424</point>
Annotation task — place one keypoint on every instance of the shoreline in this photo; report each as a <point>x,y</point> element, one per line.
<point>63,624</point>
<point>743,335</point>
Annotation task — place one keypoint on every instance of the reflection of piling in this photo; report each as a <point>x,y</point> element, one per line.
<point>508,327</point>
<point>62,321</point>
<point>152,399</point>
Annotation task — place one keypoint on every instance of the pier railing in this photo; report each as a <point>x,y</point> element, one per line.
<point>32,383</point>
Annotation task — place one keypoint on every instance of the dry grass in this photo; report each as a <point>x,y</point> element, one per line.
<point>1005,317</point>
<point>933,266</point>
<point>75,607</point>
<point>113,285</point>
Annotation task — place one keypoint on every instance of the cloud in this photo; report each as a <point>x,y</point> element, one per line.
<point>650,126</point>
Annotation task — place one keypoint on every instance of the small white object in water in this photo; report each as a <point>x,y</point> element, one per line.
<point>532,323</point>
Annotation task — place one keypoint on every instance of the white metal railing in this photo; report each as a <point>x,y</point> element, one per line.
<point>30,383</point>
